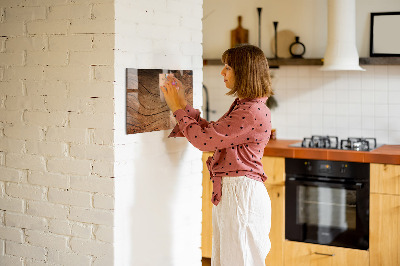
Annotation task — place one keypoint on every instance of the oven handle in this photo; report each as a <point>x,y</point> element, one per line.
<point>357,185</point>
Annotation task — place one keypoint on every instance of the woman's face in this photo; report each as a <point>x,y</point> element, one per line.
<point>229,76</point>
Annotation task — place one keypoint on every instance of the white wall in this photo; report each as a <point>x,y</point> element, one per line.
<point>158,180</point>
<point>305,18</point>
<point>56,132</point>
<point>344,103</point>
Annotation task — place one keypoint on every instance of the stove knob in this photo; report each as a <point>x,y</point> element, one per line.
<point>308,166</point>
<point>343,168</point>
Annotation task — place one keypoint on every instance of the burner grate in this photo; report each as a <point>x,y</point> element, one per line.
<point>327,142</point>
<point>332,142</point>
<point>358,144</point>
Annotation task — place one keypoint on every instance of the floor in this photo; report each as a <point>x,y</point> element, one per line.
<point>206,261</point>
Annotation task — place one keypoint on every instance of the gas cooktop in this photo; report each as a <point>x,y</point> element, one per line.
<point>332,142</point>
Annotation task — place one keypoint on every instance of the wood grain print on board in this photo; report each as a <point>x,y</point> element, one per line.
<point>146,109</point>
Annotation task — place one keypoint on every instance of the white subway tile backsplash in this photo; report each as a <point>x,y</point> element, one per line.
<point>342,109</point>
<point>394,123</point>
<point>381,136</point>
<point>393,71</point>
<point>394,97</point>
<point>304,72</point>
<point>394,82</point>
<point>381,110</point>
<point>394,110</point>
<point>342,81</point>
<point>367,110</point>
<point>329,123</point>
<point>329,94</point>
<point>368,123</point>
<point>304,95</point>
<point>342,97</point>
<point>347,103</point>
<point>317,119</point>
<point>291,71</point>
<point>328,74</point>
<point>394,137</point>
<point>316,82</point>
<point>380,71</point>
<point>278,82</point>
<point>367,133</point>
<point>381,122</point>
<point>354,80</point>
<point>342,122</point>
<point>355,132</point>
<point>355,122</point>
<point>329,109</point>
<point>381,84</point>
<point>317,131</point>
<point>304,109</point>
<point>355,96</point>
<point>315,72</point>
<point>367,96</point>
<point>293,120</point>
<point>381,97</point>
<point>292,82</point>
<point>304,82</point>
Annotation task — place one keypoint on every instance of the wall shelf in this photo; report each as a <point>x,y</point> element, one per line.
<point>274,63</point>
<point>380,61</point>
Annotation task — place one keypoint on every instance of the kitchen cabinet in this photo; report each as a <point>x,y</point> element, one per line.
<point>385,214</point>
<point>384,221</point>
<point>305,254</point>
<point>206,225</point>
<point>385,178</point>
<point>274,168</point>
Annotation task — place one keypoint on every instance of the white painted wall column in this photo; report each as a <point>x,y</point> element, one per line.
<point>158,180</point>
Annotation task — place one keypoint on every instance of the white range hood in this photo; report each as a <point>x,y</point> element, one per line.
<point>341,51</point>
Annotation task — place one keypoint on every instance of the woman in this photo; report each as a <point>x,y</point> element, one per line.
<point>242,208</point>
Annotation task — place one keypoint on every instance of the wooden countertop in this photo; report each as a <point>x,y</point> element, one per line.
<point>389,154</point>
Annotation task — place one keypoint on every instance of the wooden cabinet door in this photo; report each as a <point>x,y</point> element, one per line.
<point>385,178</point>
<point>277,233</point>
<point>206,226</point>
<point>384,236</point>
<point>274,168</point>
<point>304,254</point>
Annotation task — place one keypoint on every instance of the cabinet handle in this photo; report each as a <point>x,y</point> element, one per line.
<point>324,254</point>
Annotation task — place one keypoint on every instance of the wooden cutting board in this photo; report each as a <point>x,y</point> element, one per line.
<point>239,35</point>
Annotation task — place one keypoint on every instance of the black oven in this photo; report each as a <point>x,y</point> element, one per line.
<point>327,202</point>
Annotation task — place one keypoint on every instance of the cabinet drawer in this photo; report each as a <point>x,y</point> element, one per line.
<point>304,254</point>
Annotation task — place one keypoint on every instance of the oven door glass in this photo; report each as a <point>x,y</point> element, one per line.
<point>327,214</point>
<point>325,207</point>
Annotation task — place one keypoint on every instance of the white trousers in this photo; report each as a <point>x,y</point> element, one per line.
<point>241,223</point>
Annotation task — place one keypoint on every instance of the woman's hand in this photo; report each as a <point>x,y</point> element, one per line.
<point>174,94</point>
<point>181,91</point>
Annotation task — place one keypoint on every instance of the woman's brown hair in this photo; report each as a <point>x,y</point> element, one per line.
<point>250,66</point>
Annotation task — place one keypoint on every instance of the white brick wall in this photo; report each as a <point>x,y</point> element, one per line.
<point>56,132</point>
<point>59,126</point>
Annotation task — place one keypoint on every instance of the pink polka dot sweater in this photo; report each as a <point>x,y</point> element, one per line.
<point>238,139</point>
